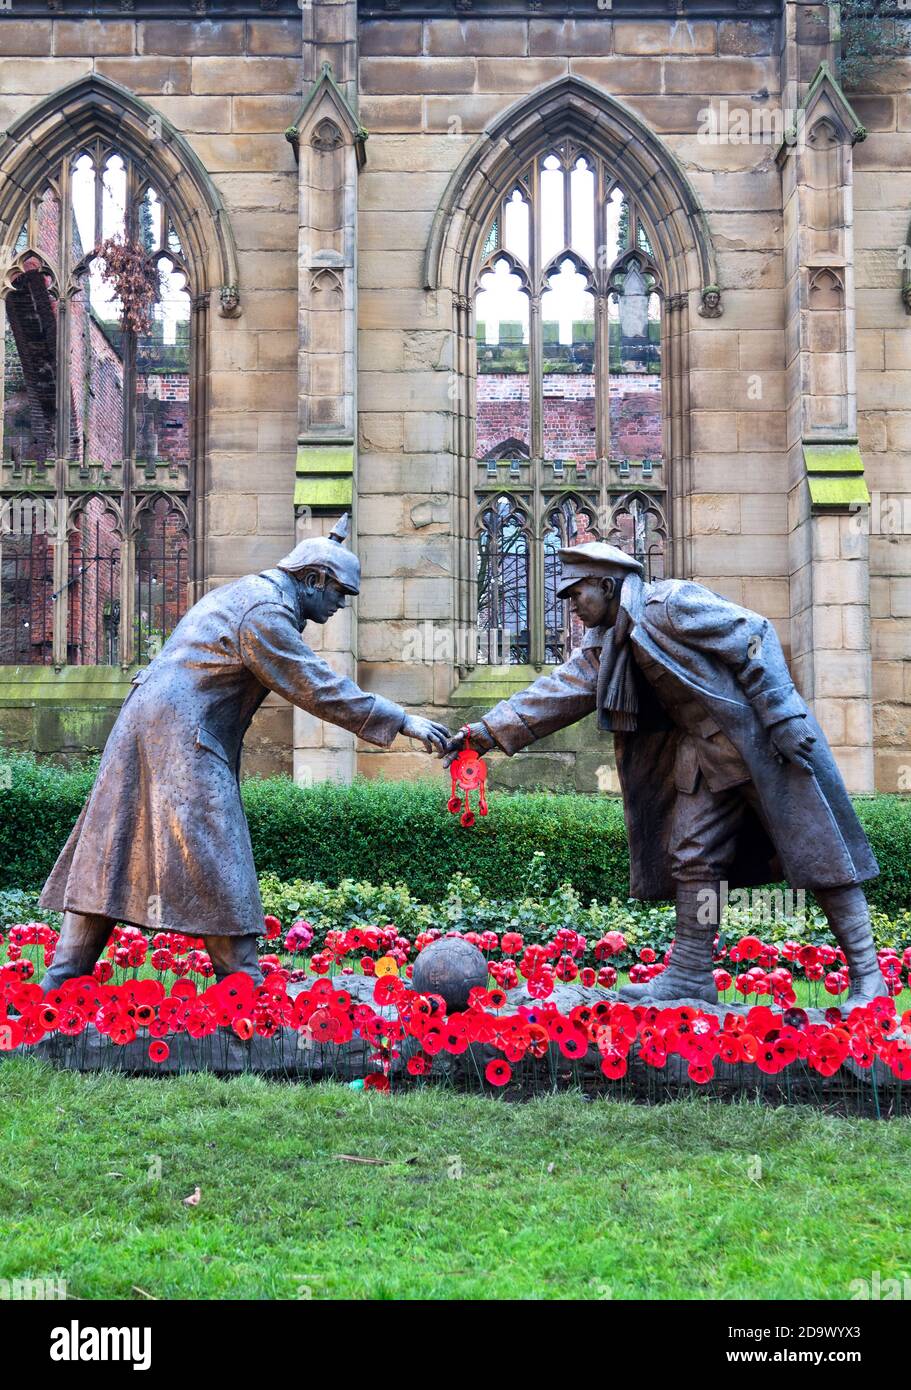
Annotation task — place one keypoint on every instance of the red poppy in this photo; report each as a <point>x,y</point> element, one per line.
<point>323,1025</point>
<point>387,989</point>
<point>418,1065</point>
<point>376,1081</point>
<point>243,1027</point>
<point>455,1037</point>
<point>573,1043</point>
<point>700,1072</point>
<point>71,1021</point>
<point>498,1072</point>
<point>538,1040</point>
<point>10,1035</point>
<point>623,1021</point>
<point>159,1051</point>
<point>541,984</point>
<point>653,1052</point>
<point>123,1030</point>
<point>432,1041</point>
<point>613,1065</point>
<point>767,1059</point>
<point>899,1060</point>
<point>862,1051</point>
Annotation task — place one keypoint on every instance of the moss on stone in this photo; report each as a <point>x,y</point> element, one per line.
<point>325,458</point>
<point>833,458</point>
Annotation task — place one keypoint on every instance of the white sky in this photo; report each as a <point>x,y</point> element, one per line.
<point>174,306</point>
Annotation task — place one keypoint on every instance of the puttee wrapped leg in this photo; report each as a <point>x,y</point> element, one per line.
<point>690,973</point>
<point>83,937</point>
<point>848,916</point>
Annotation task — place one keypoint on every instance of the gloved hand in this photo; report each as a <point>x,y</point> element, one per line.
<point>481,742</point>
<point>793,741</point>
<point>434,736</point>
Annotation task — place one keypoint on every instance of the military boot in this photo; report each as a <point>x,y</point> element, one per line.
<point>689,975</point>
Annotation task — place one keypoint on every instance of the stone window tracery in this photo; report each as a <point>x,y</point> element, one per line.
<point>97,420</point>
<point>568,419</point>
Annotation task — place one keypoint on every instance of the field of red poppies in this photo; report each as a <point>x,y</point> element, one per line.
<point>158,990</point>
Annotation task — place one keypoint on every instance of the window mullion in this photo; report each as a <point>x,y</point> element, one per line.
<point>536,405</point>
<point>61,547</point>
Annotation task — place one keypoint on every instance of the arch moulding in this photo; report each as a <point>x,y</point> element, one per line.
<point>683,249</point>
<point>578,109</point>
<point>92,106</point>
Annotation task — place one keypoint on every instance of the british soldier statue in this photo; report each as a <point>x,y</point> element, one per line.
<point>726,775</point>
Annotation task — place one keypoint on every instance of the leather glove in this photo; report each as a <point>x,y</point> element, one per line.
<point>480,739</point>
<point>792,740</point>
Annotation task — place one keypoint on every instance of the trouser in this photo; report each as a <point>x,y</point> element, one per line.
<point>702,843</point>
<point>84,936</point>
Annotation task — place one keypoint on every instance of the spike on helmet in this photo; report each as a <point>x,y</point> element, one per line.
<point>327,553</point>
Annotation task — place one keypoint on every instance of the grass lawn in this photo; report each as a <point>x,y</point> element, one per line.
<point>558,1198</point>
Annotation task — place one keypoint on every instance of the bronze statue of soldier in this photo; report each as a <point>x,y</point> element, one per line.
<point>725,774</point>
<point>162,841</point>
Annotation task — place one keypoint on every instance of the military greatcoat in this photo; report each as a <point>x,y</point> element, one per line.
<point>162,841</point>
<point>711,682</point>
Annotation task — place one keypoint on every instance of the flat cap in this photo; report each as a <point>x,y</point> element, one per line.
<point>593,560</point>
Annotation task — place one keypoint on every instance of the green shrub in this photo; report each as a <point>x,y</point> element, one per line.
<point>388,832</point>
<point>39,802</point>
<point>461,906</point>
<point>17,907</point>
<point>887,823</point>
<point>380,832</point>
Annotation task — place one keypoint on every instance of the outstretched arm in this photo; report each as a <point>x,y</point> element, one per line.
<point>273,649</point>
<point>554,701</point>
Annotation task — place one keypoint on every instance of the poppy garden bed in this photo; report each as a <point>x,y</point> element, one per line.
<point>379,1033</point>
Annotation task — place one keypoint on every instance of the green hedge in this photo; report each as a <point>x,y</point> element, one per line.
<point>388,832</point>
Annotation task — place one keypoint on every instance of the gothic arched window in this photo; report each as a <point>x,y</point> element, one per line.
<point>569,421</point>
<point>98,314</point>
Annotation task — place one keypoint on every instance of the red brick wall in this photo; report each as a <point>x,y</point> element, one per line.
<point>569,414</point>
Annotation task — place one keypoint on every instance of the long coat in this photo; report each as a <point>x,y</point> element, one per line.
<point>163,841</point>
<point>730,661</point>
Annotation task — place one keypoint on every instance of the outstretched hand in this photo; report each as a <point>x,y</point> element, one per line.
<point>434,736</point>
<point>481,742</point>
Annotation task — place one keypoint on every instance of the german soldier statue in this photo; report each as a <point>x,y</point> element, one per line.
<point>162,841</point>
<point>726,776</point>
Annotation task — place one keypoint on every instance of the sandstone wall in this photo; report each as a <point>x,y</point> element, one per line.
<point>231,88</point>
<point>427,89</point>
<point>882,208</point>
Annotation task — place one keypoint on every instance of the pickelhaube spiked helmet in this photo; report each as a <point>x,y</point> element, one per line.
<point>327,553</point>
<point>593,560</point>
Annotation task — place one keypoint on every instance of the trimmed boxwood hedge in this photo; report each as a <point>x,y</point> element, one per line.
<point>387,832</point>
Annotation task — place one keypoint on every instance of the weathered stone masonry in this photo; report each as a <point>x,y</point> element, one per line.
<point>356,152</point>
